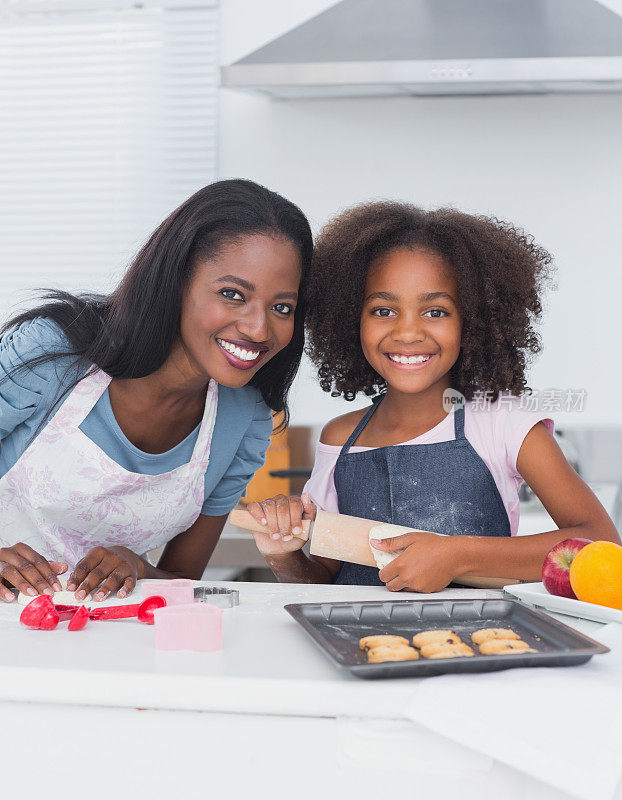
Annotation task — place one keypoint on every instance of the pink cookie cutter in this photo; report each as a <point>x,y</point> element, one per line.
<point>195,627</point>
<point>177,592</point>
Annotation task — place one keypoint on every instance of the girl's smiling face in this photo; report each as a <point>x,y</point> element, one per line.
<point>411,323</point>
<point>238,309</point>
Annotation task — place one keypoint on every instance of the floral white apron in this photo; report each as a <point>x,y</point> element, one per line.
<point>64,495</point>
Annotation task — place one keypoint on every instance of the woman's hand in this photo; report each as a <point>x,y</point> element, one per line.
<point>112,569</point>
<point>428,563</point>
<point>27,570</point>
<point>283,517</point>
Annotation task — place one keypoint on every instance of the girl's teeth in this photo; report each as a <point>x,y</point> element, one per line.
<point>409,359</point>
<point>238,352</point>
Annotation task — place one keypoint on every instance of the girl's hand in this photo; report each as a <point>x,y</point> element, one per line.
<point>26,570</point>
<point>283,517</point>
<point>112,569</point>
<point>428,563</point>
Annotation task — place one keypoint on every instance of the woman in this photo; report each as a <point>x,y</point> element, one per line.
<point>136,420</point>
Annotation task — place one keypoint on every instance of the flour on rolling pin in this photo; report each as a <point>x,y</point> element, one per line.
<point>385,532</point>
<point>63,598</point>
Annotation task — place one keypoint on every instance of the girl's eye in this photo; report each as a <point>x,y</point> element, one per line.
<point>284,309</point>
<point>436,313</point>
<point>231,294</point>
<point>382,312</point>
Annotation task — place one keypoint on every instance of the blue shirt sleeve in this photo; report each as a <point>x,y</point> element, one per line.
<point>250,455</point>
<point>27,391</point>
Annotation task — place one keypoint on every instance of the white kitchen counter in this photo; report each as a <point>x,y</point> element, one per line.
<point>276,717</point>
<point>268,664</point>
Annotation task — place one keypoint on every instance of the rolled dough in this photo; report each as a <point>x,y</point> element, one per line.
<point>385,531</point>
<point>64,597</point>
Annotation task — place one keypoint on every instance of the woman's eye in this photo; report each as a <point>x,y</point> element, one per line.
<point>382,312</point>
<point>231,294</point>
<point>436,313</point>
<point>283,308</point>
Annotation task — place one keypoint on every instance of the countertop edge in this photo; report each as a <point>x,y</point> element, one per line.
<point>298,698</point>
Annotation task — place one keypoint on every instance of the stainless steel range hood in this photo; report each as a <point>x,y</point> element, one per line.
<point>440,47</point>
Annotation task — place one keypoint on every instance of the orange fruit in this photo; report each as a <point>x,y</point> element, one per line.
<point>596,574</point>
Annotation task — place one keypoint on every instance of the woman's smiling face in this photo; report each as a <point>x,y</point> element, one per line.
<point>238,308</point>
<point>411,323</point>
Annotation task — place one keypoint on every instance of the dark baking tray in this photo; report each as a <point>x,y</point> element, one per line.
<point>337,628</point>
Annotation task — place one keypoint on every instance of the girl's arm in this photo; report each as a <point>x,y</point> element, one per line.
<point>430,562</point>
<point>296,567</point>
<point>281,548</point>
<point>283,515</point>
<point>566,497</point>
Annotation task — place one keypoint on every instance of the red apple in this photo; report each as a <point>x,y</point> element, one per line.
<point>556,567</point>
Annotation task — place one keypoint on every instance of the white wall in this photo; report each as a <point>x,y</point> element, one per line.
<point>552,164</point>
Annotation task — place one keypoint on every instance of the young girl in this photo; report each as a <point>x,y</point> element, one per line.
<point>409,305</point>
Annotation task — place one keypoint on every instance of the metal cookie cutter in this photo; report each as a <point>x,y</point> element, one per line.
<point>224,598</point>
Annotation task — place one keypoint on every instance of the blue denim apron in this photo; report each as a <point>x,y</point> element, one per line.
<point>443,487</point>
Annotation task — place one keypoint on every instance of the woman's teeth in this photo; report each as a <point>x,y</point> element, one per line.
<point>409,359</point>
<point>238,352</point>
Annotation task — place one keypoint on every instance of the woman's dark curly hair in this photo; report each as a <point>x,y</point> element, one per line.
<point>499,271</point>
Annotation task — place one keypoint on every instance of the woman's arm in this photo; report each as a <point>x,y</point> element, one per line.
<point>430,562</point>
<point>187,555</point>
<point>105,570</point>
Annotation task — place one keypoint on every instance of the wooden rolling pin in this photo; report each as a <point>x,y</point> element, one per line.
<point>346,538</point>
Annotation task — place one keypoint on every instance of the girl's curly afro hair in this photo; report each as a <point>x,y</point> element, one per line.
<point>499,271</point>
